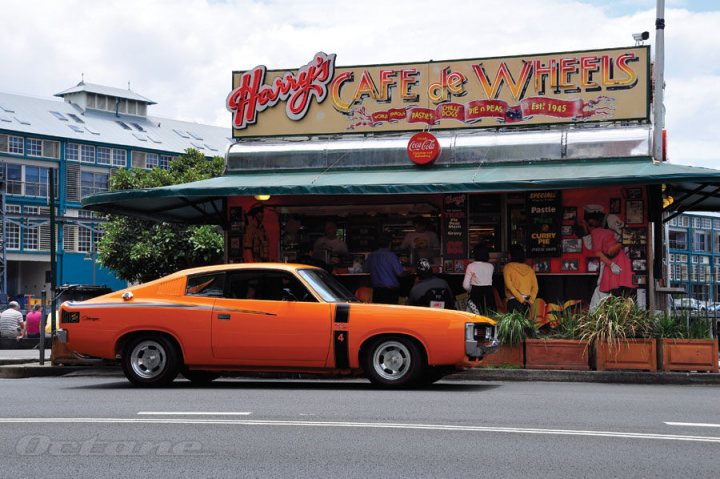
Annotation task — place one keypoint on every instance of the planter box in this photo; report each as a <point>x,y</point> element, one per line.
<point>556,354</point>
<point>638,354</point>
<point>689,355</point>
<point>505,356</point>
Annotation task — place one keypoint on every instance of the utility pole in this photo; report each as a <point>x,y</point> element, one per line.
<point>658,107</point>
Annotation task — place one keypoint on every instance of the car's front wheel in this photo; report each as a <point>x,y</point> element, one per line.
<point>151,361</point>
<point>394,362</point>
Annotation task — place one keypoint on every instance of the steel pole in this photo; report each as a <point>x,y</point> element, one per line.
<point>658,108</point>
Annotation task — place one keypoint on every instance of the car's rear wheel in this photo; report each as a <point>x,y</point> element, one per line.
<point>394,362</point>
<point>199,377</point>
<point>151,361</point>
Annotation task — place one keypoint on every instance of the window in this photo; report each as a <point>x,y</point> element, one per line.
<point>14,183</point>
<point>11,144</point>
<point>75,117</point>
<point>700,292</point>
<point>76,129</point>
<point>12,235</point>
<point>266,285</point>
<point>119,157</point>
<point>152,160</point>
<point>206,285</point>
<point>678,239</point>
<point>34,147</point>
<point>165,161</point>
<point>43,148</point>
<point>139,159</point>
<point>59,115</point>
<point>36,181</point>
<point>87,154</point>
<point>84,239</point>
<point>123,124</point>
<point>103,155</point>
<point>195,135</point>
<point>138,127</point>
<point>91,183</point>
<point>72,152</point>
<point>132,108</point>
<point>181,133</point>
<point>31,238</point>
<point>701,241</point>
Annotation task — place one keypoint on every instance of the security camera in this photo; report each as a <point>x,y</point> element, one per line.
<point>639,37</point>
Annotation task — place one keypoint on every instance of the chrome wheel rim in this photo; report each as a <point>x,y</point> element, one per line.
<point>148,359</point>
<point>391,360</point>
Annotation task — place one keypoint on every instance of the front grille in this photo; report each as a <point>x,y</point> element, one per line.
<point>70,317</point>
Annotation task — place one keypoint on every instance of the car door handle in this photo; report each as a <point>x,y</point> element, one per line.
<point>223,317</point>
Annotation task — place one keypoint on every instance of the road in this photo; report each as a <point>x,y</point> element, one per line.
<point>102,427</point>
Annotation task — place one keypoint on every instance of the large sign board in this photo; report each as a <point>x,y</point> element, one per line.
<point>320,98</point>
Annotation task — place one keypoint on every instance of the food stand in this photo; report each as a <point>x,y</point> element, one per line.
<point>504,150</point>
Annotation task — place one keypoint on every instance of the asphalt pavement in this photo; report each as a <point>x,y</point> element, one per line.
<point>101,427</point>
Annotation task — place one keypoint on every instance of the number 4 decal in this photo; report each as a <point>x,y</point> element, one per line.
<point>341,337</point>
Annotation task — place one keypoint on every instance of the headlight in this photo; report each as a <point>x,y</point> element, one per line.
<point>479,332</point>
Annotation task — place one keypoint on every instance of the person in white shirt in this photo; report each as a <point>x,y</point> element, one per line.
<point>12,324</point>
<point>329,244</point>
<point>478,280</point>
<point>421,243</point>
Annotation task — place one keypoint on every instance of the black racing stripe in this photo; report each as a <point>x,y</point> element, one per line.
<point>342,313</point>
<point>342,356</point>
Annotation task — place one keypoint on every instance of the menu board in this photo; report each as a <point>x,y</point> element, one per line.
<point>455,226</point>
<point>544,224</point>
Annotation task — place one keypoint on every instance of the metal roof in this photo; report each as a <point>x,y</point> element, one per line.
<point>105,90</point>
<point>33,116</point>
<point>202,201</point>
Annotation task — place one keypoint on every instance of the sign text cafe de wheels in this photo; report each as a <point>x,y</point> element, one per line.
<point>535,150</point>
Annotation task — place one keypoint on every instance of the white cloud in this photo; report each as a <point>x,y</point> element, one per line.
<point>180,52</point>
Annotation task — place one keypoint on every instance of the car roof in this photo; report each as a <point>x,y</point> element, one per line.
<point>292,267</point>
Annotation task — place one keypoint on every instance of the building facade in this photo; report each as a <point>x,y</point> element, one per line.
<point>694,261</point>
<point>95,130</point>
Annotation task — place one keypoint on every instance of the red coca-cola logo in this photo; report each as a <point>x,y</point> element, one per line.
<point>423,148</point>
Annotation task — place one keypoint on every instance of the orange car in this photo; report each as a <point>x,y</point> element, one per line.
<point>204,322</point>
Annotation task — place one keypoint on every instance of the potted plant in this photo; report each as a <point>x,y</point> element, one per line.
<point>620,334</point>
<point>559,348</point>
<point>512,329</point>
<point>685,344</point>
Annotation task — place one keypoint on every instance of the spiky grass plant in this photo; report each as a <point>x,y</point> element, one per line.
<point>513,328</point>
<point>614,321</point>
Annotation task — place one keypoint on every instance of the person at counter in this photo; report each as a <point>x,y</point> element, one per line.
<point>421,243</point>
<point>521,286</point>
<point>329,244</point>
<point>430,291</point>
<point>255,239</point>
<point>478,280</point>
<point>385,272</point>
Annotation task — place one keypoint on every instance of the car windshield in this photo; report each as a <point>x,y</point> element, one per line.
<point>327,286</point>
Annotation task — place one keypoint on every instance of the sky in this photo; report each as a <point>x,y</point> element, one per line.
<point>180,53</point>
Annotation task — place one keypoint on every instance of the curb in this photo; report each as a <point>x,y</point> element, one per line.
<point>614,377</point>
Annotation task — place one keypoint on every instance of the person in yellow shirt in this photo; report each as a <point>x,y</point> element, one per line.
<point>521,286</point>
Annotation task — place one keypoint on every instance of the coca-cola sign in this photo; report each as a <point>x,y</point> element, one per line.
<point>423,148</point>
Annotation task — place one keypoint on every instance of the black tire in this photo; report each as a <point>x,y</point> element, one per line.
<point>394,362</point>
<point>199,377</point>
<point>151,361</point>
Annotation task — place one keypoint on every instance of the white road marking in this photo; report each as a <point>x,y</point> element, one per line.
<point>363,425</point>
<point>191,413</point>
<point>692,424</point>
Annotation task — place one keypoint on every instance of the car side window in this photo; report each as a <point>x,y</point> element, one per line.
<point>266,285</point>
<point>211,285</point>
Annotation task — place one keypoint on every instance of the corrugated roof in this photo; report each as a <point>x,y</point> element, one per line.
<point>34,116</point>
<point>105,90</point>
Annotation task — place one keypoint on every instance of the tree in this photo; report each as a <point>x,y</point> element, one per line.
<point>138,250</point>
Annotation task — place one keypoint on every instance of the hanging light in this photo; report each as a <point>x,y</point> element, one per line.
<point>262,197</point>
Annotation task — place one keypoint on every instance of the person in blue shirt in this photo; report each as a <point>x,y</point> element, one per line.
<point>385,272</point>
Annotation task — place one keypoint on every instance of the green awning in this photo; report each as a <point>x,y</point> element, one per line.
<point>202,201</point>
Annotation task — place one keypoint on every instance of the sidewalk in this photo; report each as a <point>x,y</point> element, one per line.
<point>16,364</point>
